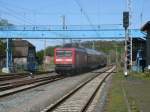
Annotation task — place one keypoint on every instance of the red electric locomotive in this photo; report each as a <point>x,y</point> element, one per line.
<point>72,60</point>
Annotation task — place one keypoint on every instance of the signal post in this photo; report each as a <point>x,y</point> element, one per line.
<point>125,25</point>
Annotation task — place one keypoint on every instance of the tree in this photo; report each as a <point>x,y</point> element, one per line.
<point>40,55</point>
<point>2,47</point>
<point>4,22</point>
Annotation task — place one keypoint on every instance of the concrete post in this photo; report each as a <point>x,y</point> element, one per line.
<point>9,58</point>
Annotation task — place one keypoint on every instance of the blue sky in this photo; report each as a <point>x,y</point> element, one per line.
<point>49,12</point>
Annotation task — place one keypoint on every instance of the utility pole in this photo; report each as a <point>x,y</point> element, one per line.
<point>64,26</point>
<point>71,41</point>
<point>93,47</point>
<point>141,16</point>
<point>45,54</point>
<point>108,59</point>
<point>44,64</point>
<point>116,59</point>
<point>9,58</point>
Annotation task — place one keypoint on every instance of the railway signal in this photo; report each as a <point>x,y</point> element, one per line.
<point>126,19</point>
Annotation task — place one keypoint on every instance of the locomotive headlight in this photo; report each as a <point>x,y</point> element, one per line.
<point>68,59</point>
<point>59,60</point>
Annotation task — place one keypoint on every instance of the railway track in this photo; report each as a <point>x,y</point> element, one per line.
<point>10,77</point>
<point>18,75</point>
<point>14,84</point>
<point>80,98</point>
<point>14,87</point>
<point>20,80</point>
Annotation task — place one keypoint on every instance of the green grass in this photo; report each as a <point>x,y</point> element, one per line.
<point>116,102</point>
<point>140,76</point>
<point>133,104</point>
<point>137,89</point>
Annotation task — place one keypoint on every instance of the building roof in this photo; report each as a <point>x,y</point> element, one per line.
<point>146,27</point>
<point>21,43</point>
<point>20,48</point>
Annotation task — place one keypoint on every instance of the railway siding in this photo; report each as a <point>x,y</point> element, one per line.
<point>29,86</point>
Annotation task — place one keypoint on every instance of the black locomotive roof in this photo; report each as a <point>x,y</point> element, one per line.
<point>75,45</point>
<point>92,51</point>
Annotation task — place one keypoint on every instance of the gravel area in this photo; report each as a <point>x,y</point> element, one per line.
<point>35,100</point>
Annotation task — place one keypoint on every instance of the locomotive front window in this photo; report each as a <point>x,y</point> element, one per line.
<point>63,53</point>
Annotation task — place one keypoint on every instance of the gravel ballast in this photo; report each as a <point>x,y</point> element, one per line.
<point>35,100</point>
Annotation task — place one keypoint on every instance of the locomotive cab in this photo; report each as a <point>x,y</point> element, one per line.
<point>64,59</point>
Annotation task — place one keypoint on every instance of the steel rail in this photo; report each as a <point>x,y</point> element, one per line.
<point>19,75</point>
<point>95,92</point>
<point>30,86</point>
<point>10,85</point>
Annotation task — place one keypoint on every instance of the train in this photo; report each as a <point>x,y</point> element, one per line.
<point>72,60</point>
